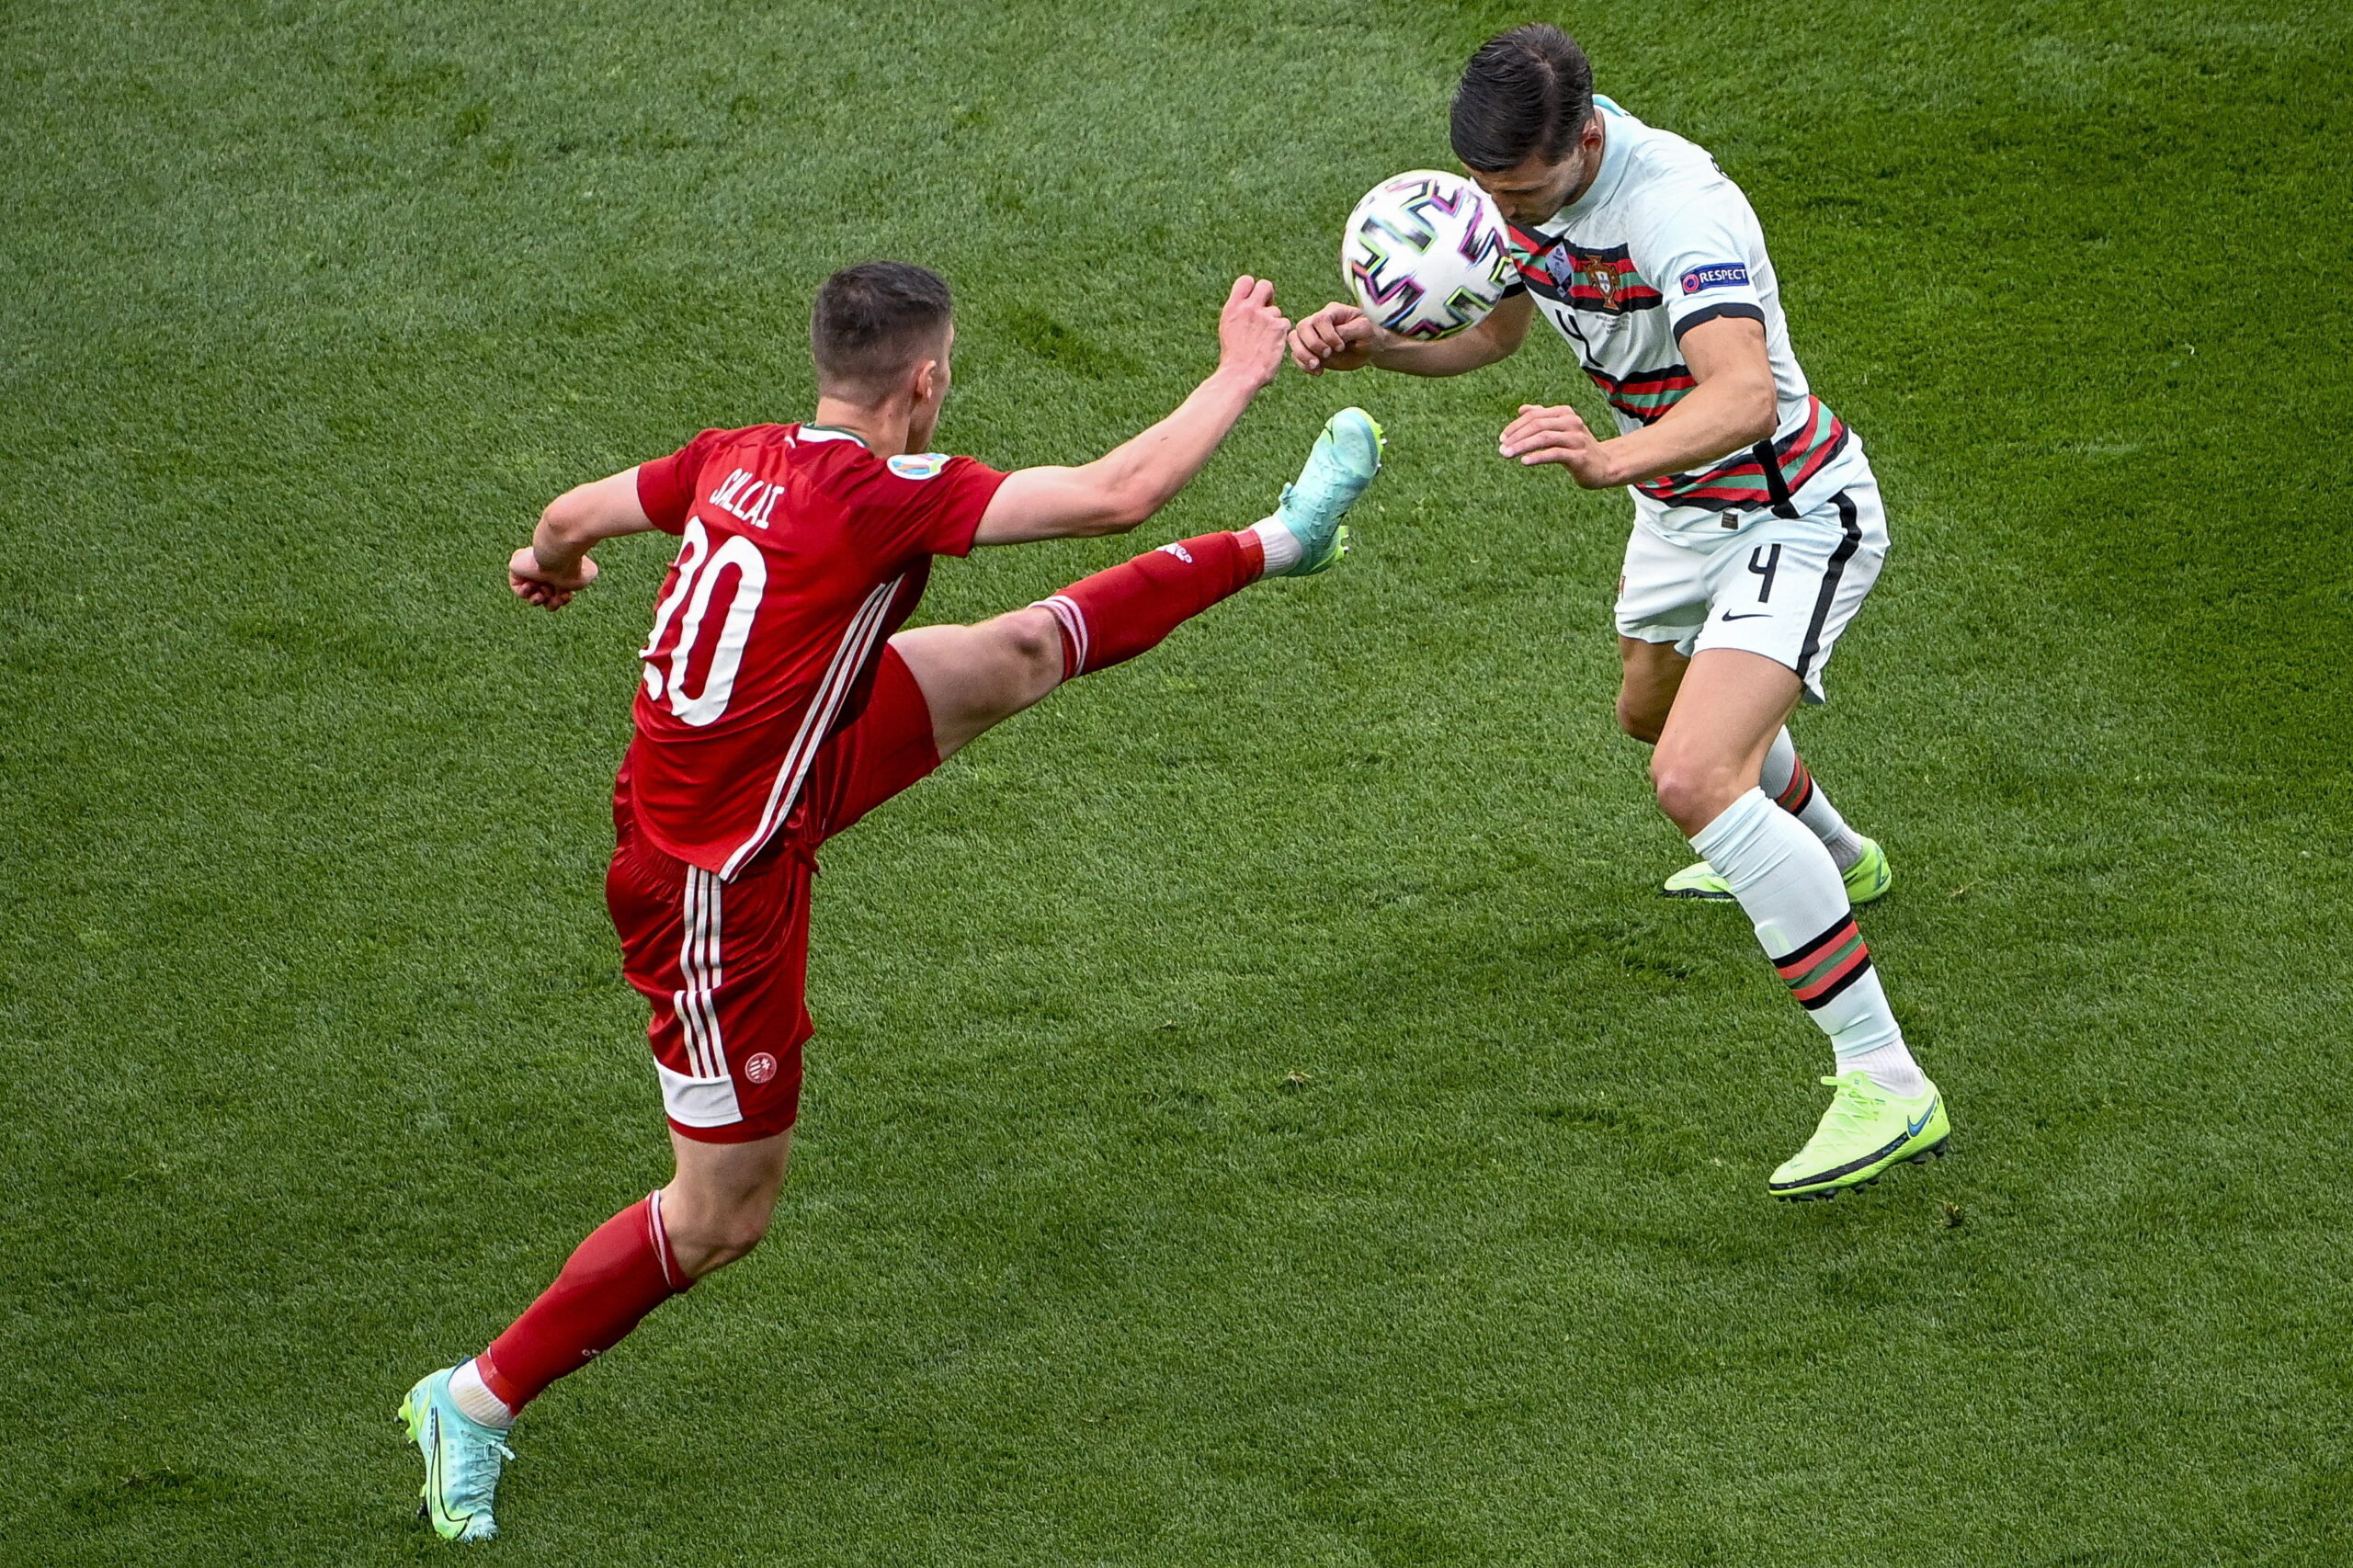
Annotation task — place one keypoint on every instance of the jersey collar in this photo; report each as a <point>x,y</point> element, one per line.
<point>830,433</point>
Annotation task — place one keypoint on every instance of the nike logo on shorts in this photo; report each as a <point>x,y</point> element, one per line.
<point>1752,615</point>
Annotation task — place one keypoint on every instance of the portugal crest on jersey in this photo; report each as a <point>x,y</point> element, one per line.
<point>1600,275</point>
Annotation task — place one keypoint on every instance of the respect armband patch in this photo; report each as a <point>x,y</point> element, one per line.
<point>1722,275</point>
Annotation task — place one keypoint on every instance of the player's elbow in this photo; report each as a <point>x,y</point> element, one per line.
<point>1762,407</point>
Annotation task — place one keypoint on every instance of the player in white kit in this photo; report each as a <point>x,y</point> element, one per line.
<point>1757,531</point>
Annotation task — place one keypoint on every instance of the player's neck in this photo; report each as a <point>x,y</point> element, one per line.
<point>1593,172</point>
<point>884,428</point>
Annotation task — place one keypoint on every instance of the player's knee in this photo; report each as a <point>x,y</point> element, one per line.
<point>726,1238</point>
<point>1031,642</point>
<point>1636,718</point>
<point>1691,794</point>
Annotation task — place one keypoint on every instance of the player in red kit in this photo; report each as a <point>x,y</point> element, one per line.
<point>781,703</point>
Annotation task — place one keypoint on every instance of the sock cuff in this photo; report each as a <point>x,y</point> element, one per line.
<point>672,1275</point>
<point>1278,549</point>
<point>1799,793</point>
<point>1732,827</point>
<point>1072,620</point>
<point>501,1390</point>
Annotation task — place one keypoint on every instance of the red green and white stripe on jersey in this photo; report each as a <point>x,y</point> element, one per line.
<point>1743,482</point>
<point>1819,971</point>
<point>1645,394</point>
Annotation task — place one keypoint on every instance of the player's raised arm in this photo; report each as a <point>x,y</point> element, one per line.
<point>1342,338</point>
<point>1133,481</point>
<point>1730,407</point>
<point>555,565</point>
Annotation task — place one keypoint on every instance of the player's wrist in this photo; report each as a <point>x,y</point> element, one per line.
<point>1245,379</point>
<point>558,563</point>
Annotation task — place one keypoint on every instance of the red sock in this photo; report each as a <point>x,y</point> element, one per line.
<point>621,1273</point>
<point>1115,615</point>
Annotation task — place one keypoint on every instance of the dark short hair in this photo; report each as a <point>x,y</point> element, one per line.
<point>1527,91</point>
<point>873,321</point>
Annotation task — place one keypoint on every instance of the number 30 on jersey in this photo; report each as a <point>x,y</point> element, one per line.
<point>699,569</point>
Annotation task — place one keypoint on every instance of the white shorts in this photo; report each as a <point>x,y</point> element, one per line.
<point>1784,587</point>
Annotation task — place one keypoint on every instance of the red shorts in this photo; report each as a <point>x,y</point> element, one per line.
<point>725,963</point>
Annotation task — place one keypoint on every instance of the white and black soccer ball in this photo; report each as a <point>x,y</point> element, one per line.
<point>1423,253</point>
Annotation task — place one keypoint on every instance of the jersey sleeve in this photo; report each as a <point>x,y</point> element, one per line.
<point>665,487</point>
<point>1705,254</point>
<point>930,505</point>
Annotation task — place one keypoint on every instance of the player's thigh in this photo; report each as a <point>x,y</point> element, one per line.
<point>1661,606</point>
<point>976,677</point>
<point>889,748</point>
<point>1787,587</point>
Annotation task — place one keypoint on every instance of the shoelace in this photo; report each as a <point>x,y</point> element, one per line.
<point>1856,1100</point>
<point>476,1494</point>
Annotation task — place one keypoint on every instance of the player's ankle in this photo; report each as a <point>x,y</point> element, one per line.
<point>1845,848</point>
<point>475,1400</point>
<point>1889,1066</point>
<point>1282,548</point>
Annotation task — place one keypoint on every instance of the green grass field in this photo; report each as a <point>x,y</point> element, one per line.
<point>1261,1114</point>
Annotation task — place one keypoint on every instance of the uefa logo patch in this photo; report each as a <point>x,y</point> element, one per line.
<point>760,1068</point>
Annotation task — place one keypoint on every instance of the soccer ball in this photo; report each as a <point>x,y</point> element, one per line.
<point>1423,253</point>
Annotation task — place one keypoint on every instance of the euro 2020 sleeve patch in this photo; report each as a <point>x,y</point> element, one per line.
<point>919,465</point>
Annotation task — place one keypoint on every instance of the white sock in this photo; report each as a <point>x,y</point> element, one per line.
<point>475,1401</point>
<point>1786,881</point>
<point>1787,778</point>
<point>1282,546</point>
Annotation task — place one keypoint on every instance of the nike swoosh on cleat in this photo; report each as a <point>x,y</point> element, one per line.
<point>436,1501</point>
<point>1912,1128</point>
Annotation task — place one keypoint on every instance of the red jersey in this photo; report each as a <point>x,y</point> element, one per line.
<point>803,551</point>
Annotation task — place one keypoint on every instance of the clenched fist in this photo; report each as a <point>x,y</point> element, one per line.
<point>1337,337</point>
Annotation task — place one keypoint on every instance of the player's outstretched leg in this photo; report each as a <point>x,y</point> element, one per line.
<point>1791,783</point>
<point>976,677</point>
<point>1884,1111</point>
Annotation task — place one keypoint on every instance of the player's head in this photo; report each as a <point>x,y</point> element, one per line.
<point>1523,120</point>
<point>881,331</point>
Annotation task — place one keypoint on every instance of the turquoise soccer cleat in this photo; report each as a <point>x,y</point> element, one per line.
<point>462,1459</point>
<point>1865,880</point>
<point>1345,456</point>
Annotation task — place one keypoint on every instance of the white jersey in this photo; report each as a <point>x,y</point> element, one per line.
<point>1659,242</point>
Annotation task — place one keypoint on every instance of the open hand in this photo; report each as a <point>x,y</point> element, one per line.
<point>1337,337</point>
<point>1558,435</point>
<point>1250,331</point>
<point>535,584</point>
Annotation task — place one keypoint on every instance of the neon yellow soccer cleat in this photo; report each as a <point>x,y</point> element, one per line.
<point>463,1460</point>
<point>1865,1131</point>
<point>1345,458</point>
<point>1867,879</point>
